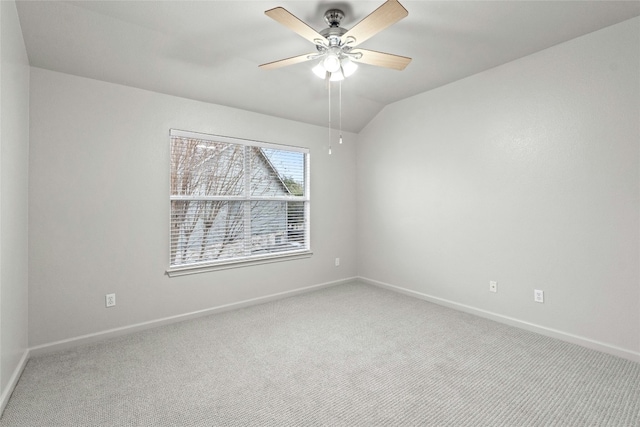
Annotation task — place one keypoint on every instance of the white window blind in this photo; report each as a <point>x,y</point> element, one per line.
<point>235,201</point>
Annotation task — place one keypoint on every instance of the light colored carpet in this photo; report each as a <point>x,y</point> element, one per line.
<point>350,355</point>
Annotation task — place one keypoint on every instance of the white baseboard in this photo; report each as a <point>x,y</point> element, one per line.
<point>125,330</point>
<point>13,381</point>
<point>553,333</point>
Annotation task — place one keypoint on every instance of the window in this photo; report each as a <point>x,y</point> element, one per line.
<point>235,201</point>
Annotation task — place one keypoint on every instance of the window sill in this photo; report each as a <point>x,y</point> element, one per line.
<point>204,268</point>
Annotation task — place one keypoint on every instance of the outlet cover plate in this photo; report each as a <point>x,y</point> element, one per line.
<point>493,286</point>
<point>538,295</point>
<point>110,300</point>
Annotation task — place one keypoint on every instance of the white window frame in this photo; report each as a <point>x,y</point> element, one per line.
<point>213,265</point>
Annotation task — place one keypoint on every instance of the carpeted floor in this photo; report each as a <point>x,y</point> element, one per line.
<point>350,355</point>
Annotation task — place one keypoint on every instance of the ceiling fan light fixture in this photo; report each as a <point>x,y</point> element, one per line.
<point>346,69</point>
<point>321,72</point>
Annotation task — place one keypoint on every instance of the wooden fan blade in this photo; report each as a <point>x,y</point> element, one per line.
<point>287,19</point>
<point>382,59</point>
<point>288,61</point>
<point>386,15</point>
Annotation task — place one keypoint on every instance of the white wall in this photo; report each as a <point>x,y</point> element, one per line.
<point>527,174</point>
<point>99,207</point>
<point>14,152</point>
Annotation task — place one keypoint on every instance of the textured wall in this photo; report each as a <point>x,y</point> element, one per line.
<point>99,207</point>
<point>526,174</point>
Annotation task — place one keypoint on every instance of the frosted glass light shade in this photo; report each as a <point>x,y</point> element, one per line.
<point>319,70</point>
<point>331,63</point>
<point>337,76</point>
<point>348,67</point>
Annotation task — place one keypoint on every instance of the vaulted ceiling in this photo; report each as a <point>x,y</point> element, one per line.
<point>210,50</point>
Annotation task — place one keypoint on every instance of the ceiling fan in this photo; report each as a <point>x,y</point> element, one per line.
<point>336,46</point>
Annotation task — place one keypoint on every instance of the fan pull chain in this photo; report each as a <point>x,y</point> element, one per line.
<point>340,110</point>
<point>329,85</point>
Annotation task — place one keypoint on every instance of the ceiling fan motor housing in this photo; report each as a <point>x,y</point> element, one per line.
<point>334,33</point>
<point>333,17</point>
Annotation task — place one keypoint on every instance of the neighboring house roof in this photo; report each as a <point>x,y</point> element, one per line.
<point>280,178</point>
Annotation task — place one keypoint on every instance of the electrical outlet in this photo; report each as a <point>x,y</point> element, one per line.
<point>337,262</point>
<point>538,295</point>
<point>110,300</point>
<point>493,286</point>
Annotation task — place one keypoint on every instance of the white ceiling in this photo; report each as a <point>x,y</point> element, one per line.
<point>210,50</point>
